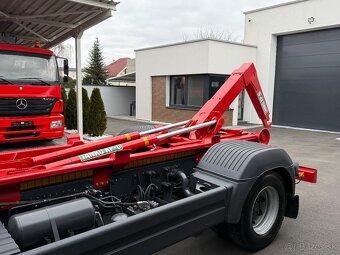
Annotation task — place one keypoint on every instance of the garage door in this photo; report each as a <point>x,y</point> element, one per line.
<point>307,82</point>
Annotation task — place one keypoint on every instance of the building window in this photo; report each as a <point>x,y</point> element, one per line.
<point>178,91</point>
<point>195,91</point>
<point>192,91</point>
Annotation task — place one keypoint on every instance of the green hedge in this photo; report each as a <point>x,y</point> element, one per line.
<point>97,115</point>
<point>71,110</point>
<point>86,110</point>
<point>94,115</point>
<point>64,97</point>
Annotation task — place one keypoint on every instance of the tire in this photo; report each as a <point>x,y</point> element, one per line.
<point>262,215</point>
<point>136,129</point>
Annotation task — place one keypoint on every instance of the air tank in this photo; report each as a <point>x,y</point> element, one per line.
<point>32,228</point>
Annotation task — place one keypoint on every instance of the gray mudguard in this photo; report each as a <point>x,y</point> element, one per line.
<point>239,164</point>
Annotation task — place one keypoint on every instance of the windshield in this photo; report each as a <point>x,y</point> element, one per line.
<point>28,68</point>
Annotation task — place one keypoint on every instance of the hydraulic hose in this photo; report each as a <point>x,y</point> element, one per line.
<point>184,190</point>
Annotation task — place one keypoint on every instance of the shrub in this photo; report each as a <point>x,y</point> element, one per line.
<point>86,109</point>
<point>71,110</point>
<point>64,97</point>
<point>71,83</point>
<point>97,114</point>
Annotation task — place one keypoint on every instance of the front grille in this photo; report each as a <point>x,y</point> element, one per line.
<point>35,106</point>
<point>20,128</point>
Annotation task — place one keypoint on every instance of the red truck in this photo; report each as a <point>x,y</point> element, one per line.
<point>30,95</point>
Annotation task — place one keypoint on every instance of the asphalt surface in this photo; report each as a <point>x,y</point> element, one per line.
<point>115,126</point>
<point>315,231</point>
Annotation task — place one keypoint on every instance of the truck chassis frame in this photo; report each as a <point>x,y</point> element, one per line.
<point>145,190</point>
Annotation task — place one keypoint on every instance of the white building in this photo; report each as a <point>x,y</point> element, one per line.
<point>295,47</point>
<point>196,60</point>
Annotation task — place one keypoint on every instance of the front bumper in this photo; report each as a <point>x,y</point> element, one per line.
<point>38,129</point>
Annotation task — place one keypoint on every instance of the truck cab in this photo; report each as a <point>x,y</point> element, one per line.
<point>30,95</point>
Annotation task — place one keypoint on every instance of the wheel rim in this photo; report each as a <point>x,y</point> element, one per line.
<point>265,210</point>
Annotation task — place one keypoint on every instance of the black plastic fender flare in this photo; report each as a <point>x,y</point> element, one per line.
<point>240,164</point>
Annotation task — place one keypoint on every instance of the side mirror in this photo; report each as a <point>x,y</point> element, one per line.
<point>66,69</point>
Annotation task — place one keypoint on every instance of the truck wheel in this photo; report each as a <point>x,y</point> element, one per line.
<point>136,129</point>
<point>262,214</point>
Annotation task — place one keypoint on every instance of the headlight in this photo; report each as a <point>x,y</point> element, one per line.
<point>56,124</point>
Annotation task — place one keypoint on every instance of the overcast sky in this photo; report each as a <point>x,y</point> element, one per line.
<point>142,23</point>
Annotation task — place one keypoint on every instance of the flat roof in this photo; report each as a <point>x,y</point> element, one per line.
<point>275,6</point>
<point>194,41</point>
<point>50,21</point>
<point>129,77</point>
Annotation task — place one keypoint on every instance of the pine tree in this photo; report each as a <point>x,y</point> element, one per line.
<point>64,96</point>
<point>86,109</point>
<point>97,114</point>
<point>96,72</point>
<point>71,110</point>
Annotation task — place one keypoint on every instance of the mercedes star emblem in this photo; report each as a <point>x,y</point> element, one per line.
<point>21,104</point>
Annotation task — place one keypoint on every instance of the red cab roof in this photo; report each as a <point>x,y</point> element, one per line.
<point>13,47</point>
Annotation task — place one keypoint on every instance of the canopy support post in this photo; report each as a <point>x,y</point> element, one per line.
<point>77,38</point>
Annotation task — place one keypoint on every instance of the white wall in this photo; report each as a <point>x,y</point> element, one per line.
<point>71,73</point>
<point>263,26</point>
<point>117,100</point>
<point>195,57</point>
<point>224,58</point>
<point>179,59</point>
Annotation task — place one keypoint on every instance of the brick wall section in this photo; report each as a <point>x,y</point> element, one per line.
<point>164,114</point>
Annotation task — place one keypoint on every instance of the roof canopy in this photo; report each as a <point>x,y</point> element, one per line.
<point>50,21</point>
